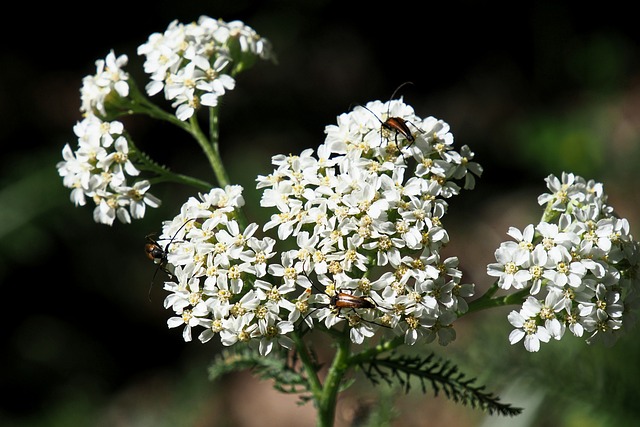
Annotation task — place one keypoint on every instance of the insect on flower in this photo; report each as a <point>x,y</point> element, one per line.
<point>158,254</point>
<point>339,301</point>
<point>396,124</point>
<point>154,251</point>
<point>342,300</point>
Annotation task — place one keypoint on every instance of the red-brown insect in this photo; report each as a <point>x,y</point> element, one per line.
<point>342,300</point>
<point>397,124</point>
<point>400,126</point>
<point>155,252</point>
<point>158,254</point>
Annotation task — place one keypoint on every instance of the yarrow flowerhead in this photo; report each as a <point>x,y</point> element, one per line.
<point>195,63</point>
<point>99,169</point>
<point>579,265</point>
<point>100,165</point>
<point>361,219</point>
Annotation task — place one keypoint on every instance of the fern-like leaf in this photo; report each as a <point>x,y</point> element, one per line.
<point>147,163</point>
<point>287,378</point>
<point>442,376</point>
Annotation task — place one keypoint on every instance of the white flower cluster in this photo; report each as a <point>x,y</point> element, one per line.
<point>109,77</point>
<point>579,266</point>
<point>366,233</point>
<point>99,166</point>
<point>218,272</point>
<point>194,63</point>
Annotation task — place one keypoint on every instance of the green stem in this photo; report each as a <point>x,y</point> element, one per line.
<point>368,354</point>
<point>309,366</point>
<point>216,163</point>
<point>211,150</point>
<point>144,163</point>
<point>329,398</point>
<point>140,104</point>
<point>168,176</point>
<point>325,396</point>
<point>488,301</point>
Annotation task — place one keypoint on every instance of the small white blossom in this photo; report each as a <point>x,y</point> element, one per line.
<point>110,77</point>
<point>526,322</point>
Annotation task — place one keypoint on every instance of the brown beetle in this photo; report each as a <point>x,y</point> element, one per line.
<point>400,126</point>
<point>343,300</point>
<point>158,254</point>
<point>397,124</point>
<point>154,251</point>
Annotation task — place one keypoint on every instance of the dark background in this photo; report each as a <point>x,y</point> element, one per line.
<point>533,89</point>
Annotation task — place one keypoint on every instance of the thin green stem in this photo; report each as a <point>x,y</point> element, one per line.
<point>156,112</point>
<point>144,163</point>
<point>339,366</point>
<point>488,301</point>
<point>370,353</point>
<point>138,103</point>
<point>221,174</point>
<point>210,149</point>
<point>209,145</point>
<point>309,365</point>
<point>168,176</point>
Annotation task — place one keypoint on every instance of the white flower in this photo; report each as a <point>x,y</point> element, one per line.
<point>526,323</point>
<point>260,251</point>
<point>237,329</point>
<point>109,77</point>
<point>563,193</point>
<point>273,332</point>
<point>117,161</point>
<point>512,266</point>
<point>187,319</point>
<point>351,209</point>
<point>566,273</point>
<point>110,206</point>
<point>138,198</point>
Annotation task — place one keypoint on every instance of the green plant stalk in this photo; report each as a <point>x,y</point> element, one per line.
<point>314,382</point>
<point>329,397</point>
<point>488,301</point>
<point>325,395</point>
<point>368,354</point>
<point>164,174</point>
<point>210,147</point>
<point>140,104</point>
<point>216,159</point>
